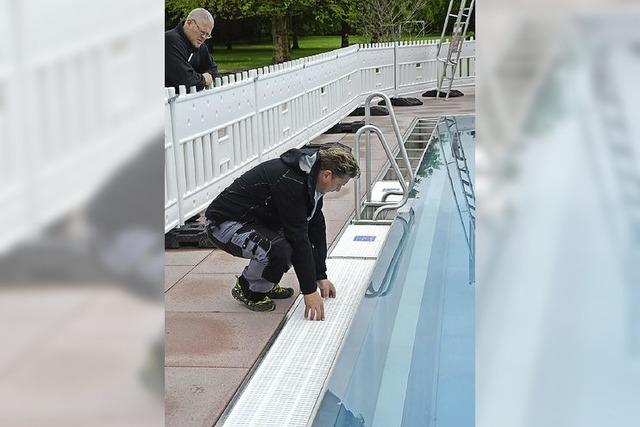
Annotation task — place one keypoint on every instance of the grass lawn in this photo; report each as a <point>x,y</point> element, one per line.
<point>247,56</point>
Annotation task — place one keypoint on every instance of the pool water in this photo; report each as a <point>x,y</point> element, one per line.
<point>408,359</point>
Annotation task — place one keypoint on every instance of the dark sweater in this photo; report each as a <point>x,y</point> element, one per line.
<point>183,63</point>
<point>280,194</point>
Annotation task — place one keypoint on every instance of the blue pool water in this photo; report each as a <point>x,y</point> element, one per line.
<point>408,359</point>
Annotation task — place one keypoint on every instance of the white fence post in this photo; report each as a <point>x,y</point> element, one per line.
<point>172,214</point>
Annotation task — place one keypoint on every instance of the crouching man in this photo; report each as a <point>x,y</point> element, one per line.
<point>272,215</point>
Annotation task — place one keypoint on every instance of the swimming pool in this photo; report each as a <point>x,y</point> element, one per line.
<point>408,359</point>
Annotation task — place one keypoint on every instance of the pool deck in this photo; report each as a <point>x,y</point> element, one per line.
<point>212,341</point>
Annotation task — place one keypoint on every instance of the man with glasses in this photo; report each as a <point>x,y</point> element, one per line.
<point>187,59</point>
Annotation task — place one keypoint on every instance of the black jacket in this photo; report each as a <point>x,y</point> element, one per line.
<point>279,194</point>
<point>178,68</point>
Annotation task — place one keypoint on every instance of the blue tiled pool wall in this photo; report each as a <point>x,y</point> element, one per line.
<point>354,386</point>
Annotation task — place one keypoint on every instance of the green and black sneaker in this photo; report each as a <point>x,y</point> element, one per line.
<point>278,292</point>
<point>265,304</point>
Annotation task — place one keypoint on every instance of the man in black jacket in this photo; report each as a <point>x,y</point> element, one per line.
<point>272,214</point>
<point>186,58</point>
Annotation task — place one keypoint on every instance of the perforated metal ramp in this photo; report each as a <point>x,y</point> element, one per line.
<point>289,383</point>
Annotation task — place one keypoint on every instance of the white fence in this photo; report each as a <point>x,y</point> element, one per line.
<point>213,136</point>
<point>75,103</point>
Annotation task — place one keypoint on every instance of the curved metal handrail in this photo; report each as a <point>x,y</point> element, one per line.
<point>396,131</point>
<point>394,166</point>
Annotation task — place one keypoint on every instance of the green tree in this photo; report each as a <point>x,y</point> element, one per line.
<point>380,19</point>
<point>343,11</point>
<point>280,12</point>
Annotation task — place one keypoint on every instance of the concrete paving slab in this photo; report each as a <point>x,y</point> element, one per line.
<point>185,256</point>
<point>106,349</point>
<point>219,261</point>
<point>333,228</point>
<point>212,293</point>
<point>217,339</point>
<point>173,273</point>
<point>338,209</point>
<point>195,397</point>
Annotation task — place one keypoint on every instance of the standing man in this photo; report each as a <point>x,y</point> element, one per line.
<point>272,215</point>
<point>187,60</point>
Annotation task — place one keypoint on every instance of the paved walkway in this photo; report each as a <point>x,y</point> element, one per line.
<point>212,341</point>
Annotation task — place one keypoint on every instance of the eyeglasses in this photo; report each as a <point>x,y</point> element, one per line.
<point>204,34</point>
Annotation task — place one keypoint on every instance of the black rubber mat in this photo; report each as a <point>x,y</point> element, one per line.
<point>402,102</point>
<point>432,93</point>
<point>192,234</point>
<point>375,111</point>
<point>346,127</point>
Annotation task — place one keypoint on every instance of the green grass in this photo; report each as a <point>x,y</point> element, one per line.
<point>245,56</point>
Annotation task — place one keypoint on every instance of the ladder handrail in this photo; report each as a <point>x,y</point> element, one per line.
<point>371,128</point>
<point>396,131</point>
<point>469,232</point>
<point>464,159</point>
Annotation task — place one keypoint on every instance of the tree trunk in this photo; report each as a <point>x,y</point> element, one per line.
<point>293,24</point>
<point>344,33</point>
<point>375,37</point>
<point>280,34</point>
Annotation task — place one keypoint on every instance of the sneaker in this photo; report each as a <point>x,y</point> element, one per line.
<point>265,304</point>
<point>278,292</point>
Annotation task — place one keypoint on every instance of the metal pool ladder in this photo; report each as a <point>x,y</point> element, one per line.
<point>456,158</point>
<point>363,207</point>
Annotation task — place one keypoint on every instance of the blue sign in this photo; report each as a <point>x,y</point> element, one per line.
<point>364,238</point>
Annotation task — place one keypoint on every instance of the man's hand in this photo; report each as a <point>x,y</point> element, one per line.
<point>327,290</point>
<point>314,307</point>
<point>207,78</point>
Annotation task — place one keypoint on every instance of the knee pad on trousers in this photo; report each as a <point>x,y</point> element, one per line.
<point>279,261</point>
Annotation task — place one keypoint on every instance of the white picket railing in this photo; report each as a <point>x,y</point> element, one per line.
<point>213,136</point>
<point>73,110</point>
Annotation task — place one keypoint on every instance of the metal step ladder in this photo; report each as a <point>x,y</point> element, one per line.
<point>369,211</point>
<point>463,194</point>
<point>451,60</point>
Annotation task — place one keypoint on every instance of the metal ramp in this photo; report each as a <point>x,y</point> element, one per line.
<point>459,31</point>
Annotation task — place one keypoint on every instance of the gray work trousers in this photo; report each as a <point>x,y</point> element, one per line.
<point>268,251</point>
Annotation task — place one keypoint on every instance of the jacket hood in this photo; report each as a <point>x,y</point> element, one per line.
<point>303,159</point>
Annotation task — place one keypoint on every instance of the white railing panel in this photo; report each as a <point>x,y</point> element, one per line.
<point>377,68</point>
<point>417,66</point>
<point>70,157</point>
<point>215,140</point>
<point>326,102</point>
<point>280,99</point>
<point>247,118</point>
<point>66,123</point>
<point>15,214</point>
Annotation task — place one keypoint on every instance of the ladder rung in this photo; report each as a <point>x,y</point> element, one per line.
<point>466,182</point>
<point>469,195</point>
